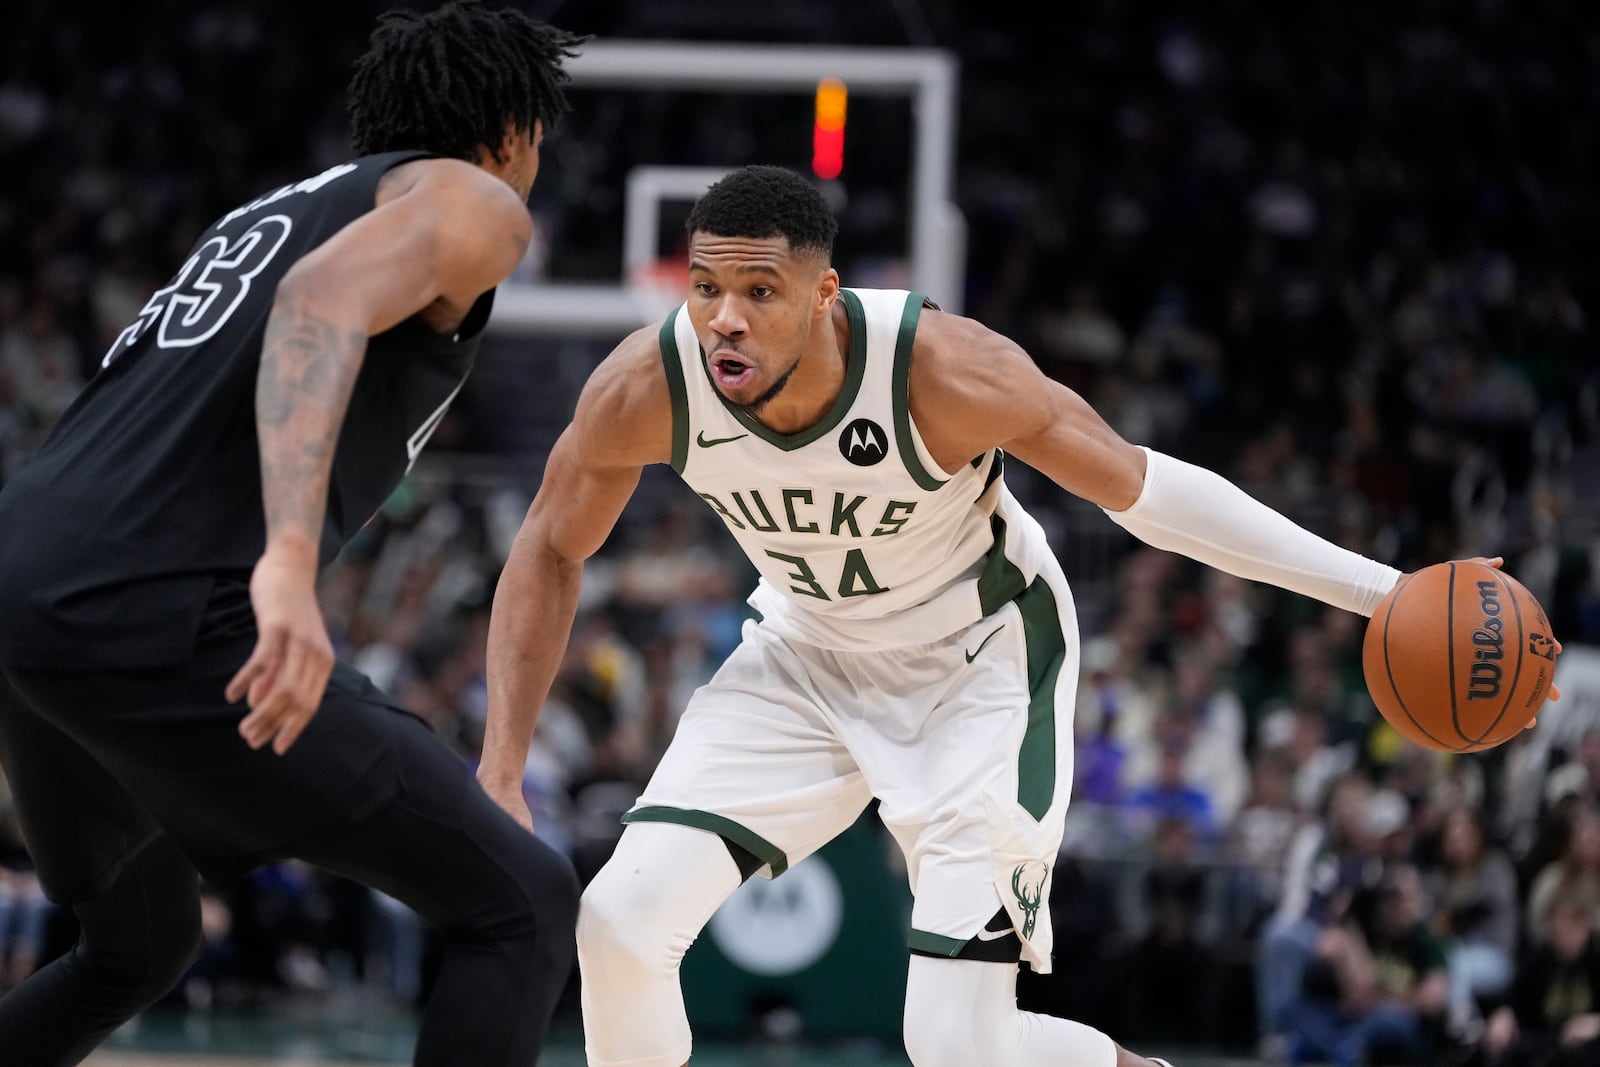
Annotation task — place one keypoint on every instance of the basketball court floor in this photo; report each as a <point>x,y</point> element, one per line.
<point>380,1039</point>
<point>268,1042</point>
<point>789,1057</point>
<point>377,1038</point>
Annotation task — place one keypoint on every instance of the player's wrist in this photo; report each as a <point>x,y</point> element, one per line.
<point>495,777</point>
<point>501,790</point>
<point>292,546</point>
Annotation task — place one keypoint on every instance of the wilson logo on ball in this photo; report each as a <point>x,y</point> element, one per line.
<point>1489,640</point>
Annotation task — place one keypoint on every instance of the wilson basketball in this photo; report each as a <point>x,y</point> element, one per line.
<point>1459,657</point>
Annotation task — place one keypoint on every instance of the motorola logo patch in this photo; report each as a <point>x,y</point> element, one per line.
<point>864,443</point>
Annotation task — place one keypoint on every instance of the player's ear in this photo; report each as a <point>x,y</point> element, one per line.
<point>827,290</point>
<point>515,136</point>
<point>508,144</point>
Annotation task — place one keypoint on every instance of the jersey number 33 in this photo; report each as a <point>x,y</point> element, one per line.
<point>206,291</point>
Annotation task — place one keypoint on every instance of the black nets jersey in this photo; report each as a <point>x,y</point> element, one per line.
<point>146,497</point>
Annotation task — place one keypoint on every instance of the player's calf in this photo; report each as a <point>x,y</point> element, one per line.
<point>138,938</point>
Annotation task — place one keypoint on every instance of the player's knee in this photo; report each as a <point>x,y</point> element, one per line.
<point>139,944</point>
<point>603,920</point>
<point>179,954</point>
<point>644,909</point>
<point>558,909</point>
<point>553,885</point>
<point>619,921</point>
<point>942,1038</point>
<point>938,1036</point>
<point>540,909</point>
<point>991,1032</point>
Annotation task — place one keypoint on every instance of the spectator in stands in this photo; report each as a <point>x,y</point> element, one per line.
<point>1381,985</point>
<point>1331,860</point>
<point>1473,890</point>
<point>1113,710</point>
<point>1214,722</point>
<point>1170,794</point>
<point>1256,844</point>
<point>1550,796</point>
<point>1167,991</point>
<point>1575,873</point>
<point>24,910</point>
<point>1552,1018</point>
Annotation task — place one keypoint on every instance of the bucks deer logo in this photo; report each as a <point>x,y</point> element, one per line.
<point>1027,884</point>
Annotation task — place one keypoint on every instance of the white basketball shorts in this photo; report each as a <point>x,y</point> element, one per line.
<point>965,742</point>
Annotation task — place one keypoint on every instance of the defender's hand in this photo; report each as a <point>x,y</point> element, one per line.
<point>510,798</point>
<point>284,679</point>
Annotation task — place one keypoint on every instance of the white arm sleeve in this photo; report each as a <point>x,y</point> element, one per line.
<point>1192,511</point>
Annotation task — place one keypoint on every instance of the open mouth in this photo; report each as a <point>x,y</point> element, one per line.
<point>730,371</point>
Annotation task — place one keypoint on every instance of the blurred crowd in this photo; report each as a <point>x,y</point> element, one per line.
<point>1340,252</point>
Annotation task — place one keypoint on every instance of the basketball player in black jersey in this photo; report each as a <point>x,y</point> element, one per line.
<point>169,700</point>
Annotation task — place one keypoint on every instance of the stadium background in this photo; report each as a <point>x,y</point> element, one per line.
<point>1341,252</point>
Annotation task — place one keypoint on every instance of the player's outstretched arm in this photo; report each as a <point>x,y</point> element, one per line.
<point>444,231</point>
<point>623,422</point>
<point>972,389</point>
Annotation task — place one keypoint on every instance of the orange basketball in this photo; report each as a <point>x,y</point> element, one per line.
<point>1459,657</point>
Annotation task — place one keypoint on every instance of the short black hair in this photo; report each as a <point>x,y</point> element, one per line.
<point>451,80</point>
<point>764,201</point>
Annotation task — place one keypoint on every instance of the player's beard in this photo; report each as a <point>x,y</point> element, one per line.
<point>777,387</point>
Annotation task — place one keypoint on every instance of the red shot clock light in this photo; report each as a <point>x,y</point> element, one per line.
<point>827,135</point>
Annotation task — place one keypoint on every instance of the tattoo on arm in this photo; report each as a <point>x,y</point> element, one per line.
<point>308,369</point>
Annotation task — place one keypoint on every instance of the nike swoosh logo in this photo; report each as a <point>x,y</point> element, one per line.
<point>994,935</point>
<point>706,442</point>
<point>974,653</point>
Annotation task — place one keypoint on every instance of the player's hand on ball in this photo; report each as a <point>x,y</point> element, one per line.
<point>284,679</point>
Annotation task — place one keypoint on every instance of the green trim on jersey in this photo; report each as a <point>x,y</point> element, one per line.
<point>900,393</point>
<point>1047,650</point>
<point>759,847</point>
<point>1004,947</point>
<point>1001,581</point>
<point>994,471</point>
<point>925,944</point>
<point>855,368</point>
<point>677,390</point>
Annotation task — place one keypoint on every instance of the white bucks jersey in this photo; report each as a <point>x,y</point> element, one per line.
<point>862,541</point>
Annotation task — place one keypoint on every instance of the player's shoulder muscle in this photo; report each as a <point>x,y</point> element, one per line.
<point>624,413</point>
<point>475,222</point>
<point>970,386</point>
<point>456,187</point>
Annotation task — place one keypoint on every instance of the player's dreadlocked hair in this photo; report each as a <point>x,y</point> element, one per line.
<point>762,201</point>
<point>450,80</point>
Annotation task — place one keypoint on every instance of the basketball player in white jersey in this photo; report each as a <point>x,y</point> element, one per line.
<point>915,640</point>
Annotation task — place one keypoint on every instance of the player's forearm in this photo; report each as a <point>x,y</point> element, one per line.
<point>535,602</point>
<point>1192,511</point>
<point>309,364</point>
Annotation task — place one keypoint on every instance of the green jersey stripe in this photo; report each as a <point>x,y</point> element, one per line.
<point>673,362</point>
